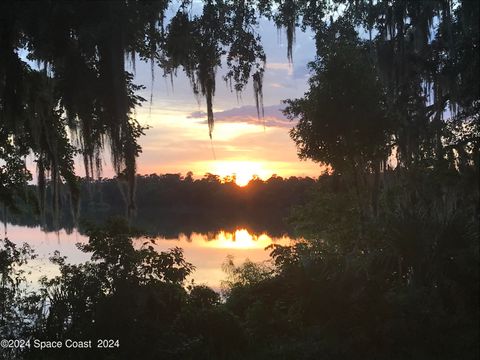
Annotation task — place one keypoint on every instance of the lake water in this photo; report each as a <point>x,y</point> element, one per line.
<point>206,251</point>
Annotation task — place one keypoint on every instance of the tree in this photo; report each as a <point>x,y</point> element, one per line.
<point>128,293</point>
<point>81,82</point>
<point>419,51</point>
<point>17,301</point>
<point>342,119</point>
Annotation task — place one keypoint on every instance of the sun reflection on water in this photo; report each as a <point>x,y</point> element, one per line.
<point>240,239</point>
<point>205,251</point>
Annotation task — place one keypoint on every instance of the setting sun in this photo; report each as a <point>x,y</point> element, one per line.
<point>243,171</point>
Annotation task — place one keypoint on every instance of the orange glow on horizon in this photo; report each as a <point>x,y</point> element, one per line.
<point>243,171</point>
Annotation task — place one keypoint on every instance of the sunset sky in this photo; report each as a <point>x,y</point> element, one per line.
<point>178,140</point>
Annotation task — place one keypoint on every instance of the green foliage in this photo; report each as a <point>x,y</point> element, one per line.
<point>248,273</point>
<point>406,290</point>
<point>342,119</point>
<point>223,28</point>
<point>80,81</point>
<point>130,293</point>
<point>17,302</point>
<point>388,268</point>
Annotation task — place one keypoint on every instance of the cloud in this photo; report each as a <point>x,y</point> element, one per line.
<point>273,116</point>
<point>280,67</point>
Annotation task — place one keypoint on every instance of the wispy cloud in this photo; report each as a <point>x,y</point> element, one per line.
<point>280,67</point>
<point>273,116</point>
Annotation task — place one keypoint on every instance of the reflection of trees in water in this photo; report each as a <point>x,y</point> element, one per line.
<point>171,204</point>
<point>170,225</point>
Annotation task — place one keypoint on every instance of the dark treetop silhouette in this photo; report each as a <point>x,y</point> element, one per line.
<point>389,267</point>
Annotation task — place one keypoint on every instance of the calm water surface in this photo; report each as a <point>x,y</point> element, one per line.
<point>206,252</point>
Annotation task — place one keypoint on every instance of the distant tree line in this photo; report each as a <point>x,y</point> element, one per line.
<point>171,203</point>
